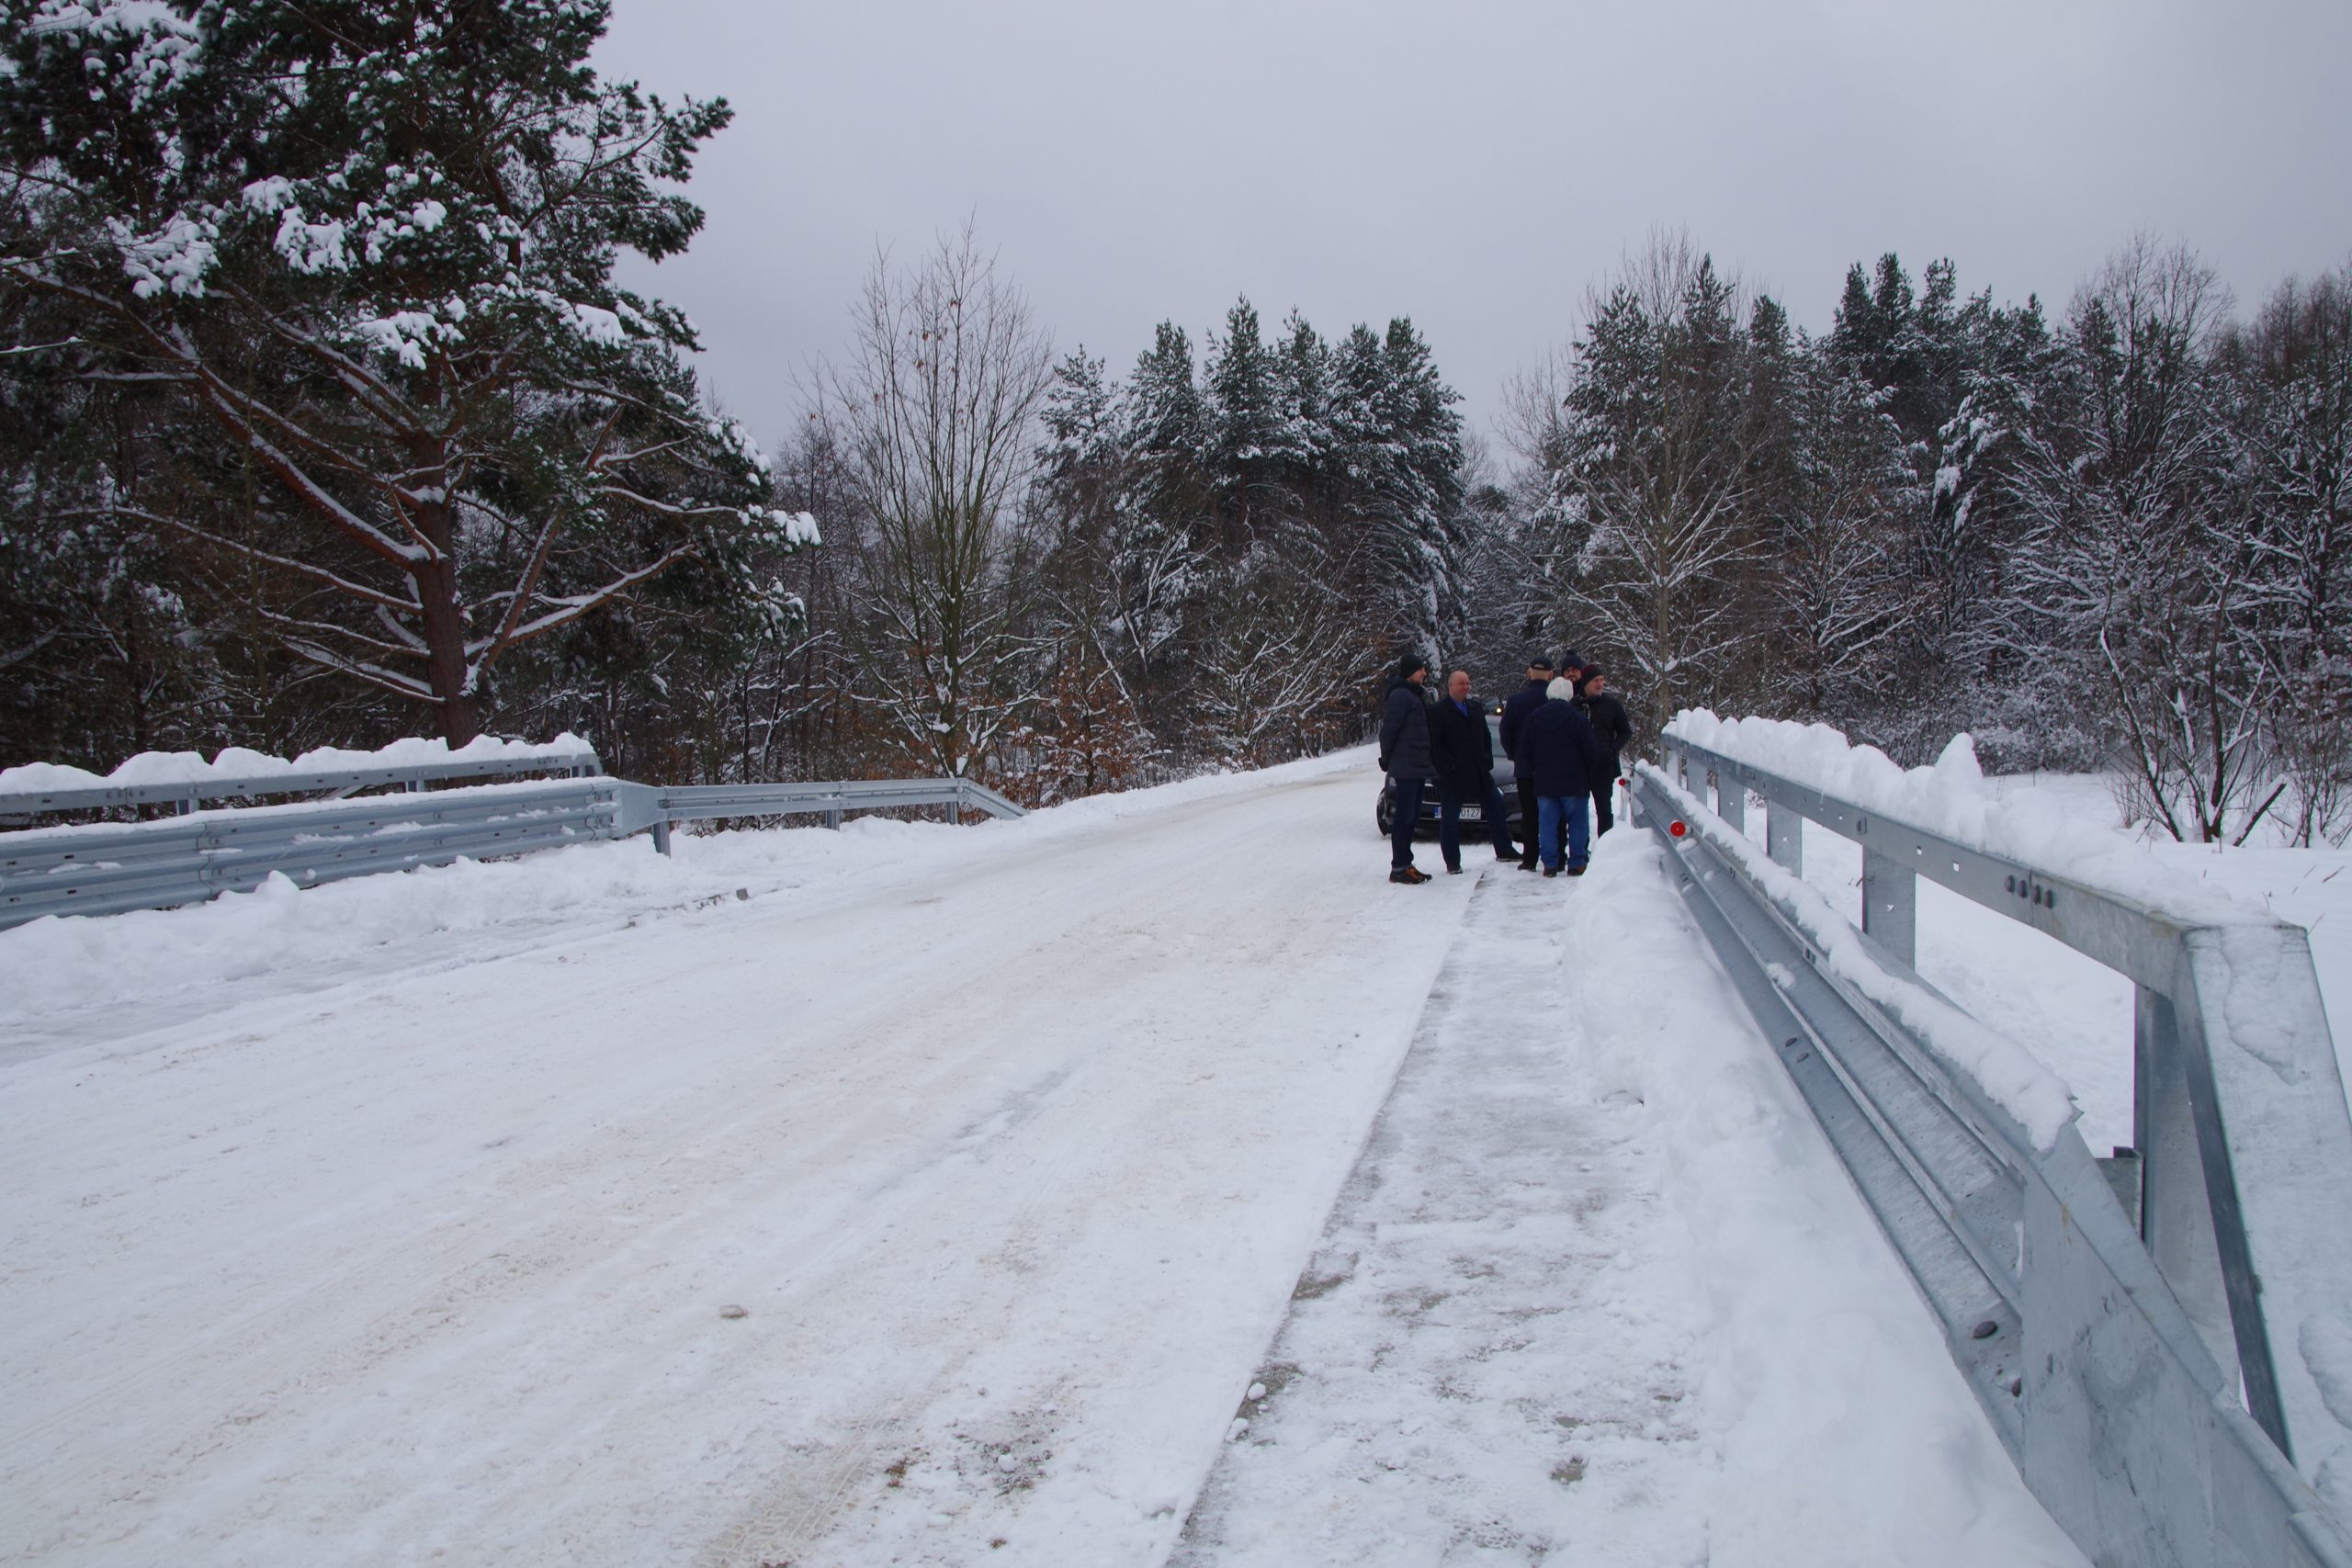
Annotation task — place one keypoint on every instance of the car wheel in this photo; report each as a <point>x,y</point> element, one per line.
<point>1385,814</point>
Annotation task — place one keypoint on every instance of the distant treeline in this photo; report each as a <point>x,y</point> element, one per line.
<point>323,421</point>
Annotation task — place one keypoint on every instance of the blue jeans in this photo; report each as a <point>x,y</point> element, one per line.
<point>1450,802</point>
<point>1401,825</point>
<point>1550,812</point>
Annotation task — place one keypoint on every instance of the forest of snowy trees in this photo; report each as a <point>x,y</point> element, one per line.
<point>324,421</point>
<point>2117,540</point>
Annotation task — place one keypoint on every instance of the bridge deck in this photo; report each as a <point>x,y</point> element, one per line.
<point>1010,1144</point>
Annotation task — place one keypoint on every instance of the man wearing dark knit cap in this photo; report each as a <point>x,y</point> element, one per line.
<point>1406,759</point>
<point>1522,703</point>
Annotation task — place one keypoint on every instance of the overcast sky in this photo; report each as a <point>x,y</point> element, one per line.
<point>1475,166</point>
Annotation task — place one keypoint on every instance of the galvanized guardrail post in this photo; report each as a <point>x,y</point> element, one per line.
<point>2175,1214</point>
<point>1785,837</point>
<point>2123,1419</point>
<point>1891,905</point>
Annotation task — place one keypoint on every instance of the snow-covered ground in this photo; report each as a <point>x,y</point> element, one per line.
<point>1598,1293</point>
<point>410,1218</point>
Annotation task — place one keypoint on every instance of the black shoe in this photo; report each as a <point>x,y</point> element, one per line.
<point>1454,871</point>
<point>1551,871</point>
<point>1410,875</point>
<point>1576,871</point>
<point>1527,866</point>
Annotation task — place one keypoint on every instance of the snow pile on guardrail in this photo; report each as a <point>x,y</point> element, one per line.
<point>235,763</point>
<point>2012,1076</point>
<point>1950,798</point>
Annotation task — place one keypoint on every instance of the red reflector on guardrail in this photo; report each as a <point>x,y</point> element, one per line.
<point>1677,829</point>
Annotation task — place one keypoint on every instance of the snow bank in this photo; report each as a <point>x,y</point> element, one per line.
<point>1952,798</point>
<point>55,964</point>
<point>2010,1074</point>
<point>235,764</point>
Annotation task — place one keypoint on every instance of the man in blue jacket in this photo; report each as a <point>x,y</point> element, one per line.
<point>1558,749</point>
<point>1522,703</point>
<point>1406,758</point>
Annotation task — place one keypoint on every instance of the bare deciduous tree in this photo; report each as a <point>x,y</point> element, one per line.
<point>935,412</point>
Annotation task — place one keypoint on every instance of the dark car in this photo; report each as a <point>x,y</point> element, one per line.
<point>1474,818</point>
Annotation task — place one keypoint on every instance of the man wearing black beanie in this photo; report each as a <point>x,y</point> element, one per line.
<point>1525,701</point>
<point>1406,758</point>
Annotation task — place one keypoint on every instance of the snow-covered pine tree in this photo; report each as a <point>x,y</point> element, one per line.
<point>1653,479</point>
<point>1303,375</point>
<point>1422,512</point>
<point>1842,573</point>
<point>1168,435</point>
<point>1099,587</point>
<point>1249,452</point>
<point>373,247</point>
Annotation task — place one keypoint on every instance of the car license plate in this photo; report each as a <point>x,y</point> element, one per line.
<point>1474,814</point>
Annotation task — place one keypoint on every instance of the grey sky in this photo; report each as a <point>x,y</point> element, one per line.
<point>1473,165</point>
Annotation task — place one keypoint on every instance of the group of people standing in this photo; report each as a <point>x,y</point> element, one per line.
<point>1563,732</point>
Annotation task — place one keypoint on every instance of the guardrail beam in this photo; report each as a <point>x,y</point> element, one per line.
<point>2275,1137</point>
<point>2112,1397</point>
<point>184,798</point>
<point>108,868</point>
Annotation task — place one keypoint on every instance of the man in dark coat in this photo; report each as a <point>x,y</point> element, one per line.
<point>1560,752</point>
<point>1516,708</point>
<point>1406,758</point>
<point>1616,732</point>
<point>1465,752</point>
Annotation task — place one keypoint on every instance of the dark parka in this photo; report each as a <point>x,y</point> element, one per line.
<point>1612,727</point>
<point>1524,700</point>
<point>1462,746</point>
<point>1405,751</point>
<point>1558,749</point>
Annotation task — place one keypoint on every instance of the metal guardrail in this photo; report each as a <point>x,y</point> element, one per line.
<point>187,797</point>
<point>2149,1373</point>
<point>704,803</point>
<point>106,869</point>
<point>110,868</point>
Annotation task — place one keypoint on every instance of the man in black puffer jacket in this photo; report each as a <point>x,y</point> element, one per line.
<point>1522,703</point>
<point>1616,732</point>
<point>1464,750</point>
<point>1558,749</point>
<point>1405,757</point>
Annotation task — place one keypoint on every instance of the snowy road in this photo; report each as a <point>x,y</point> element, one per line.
<point>1010,1150</point>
